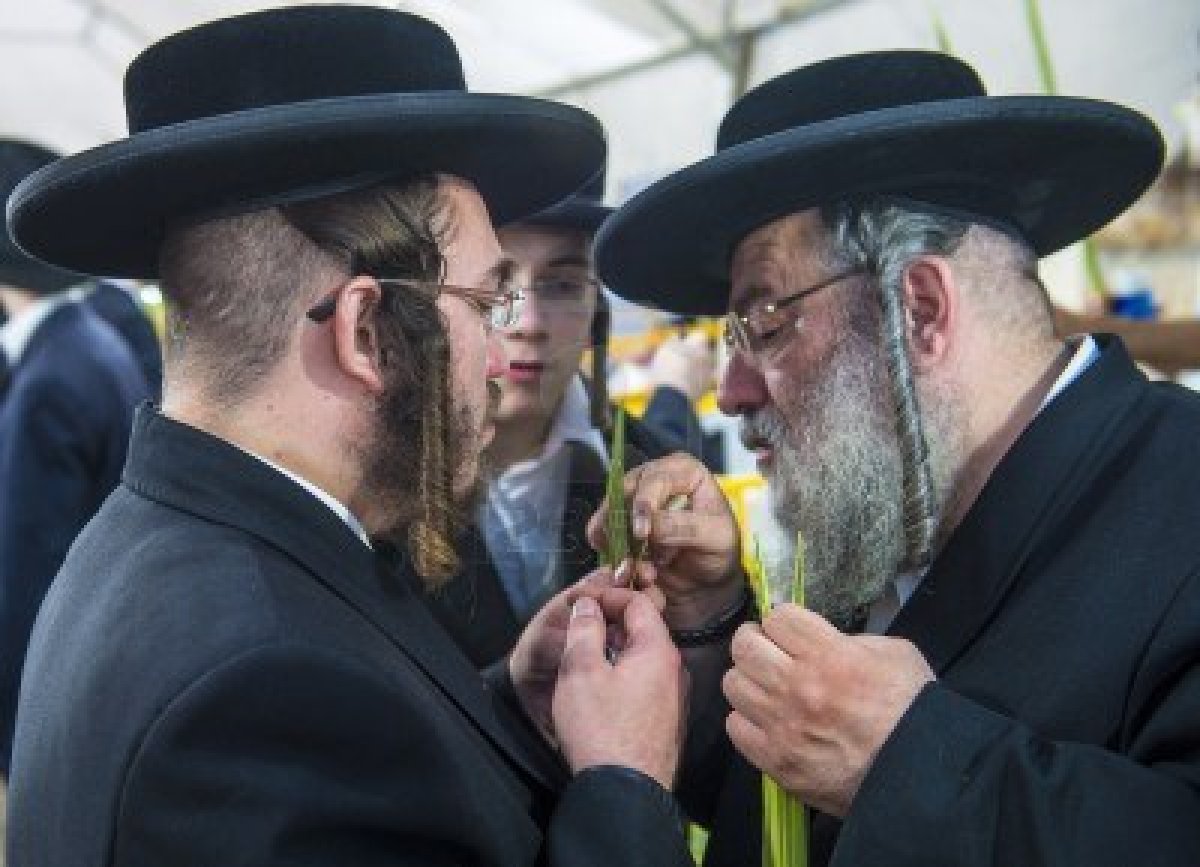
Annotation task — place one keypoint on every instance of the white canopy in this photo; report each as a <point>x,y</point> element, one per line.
<point>659,73</point>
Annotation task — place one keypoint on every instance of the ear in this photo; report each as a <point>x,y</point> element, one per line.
<point>355,339</point>
<point>931,309</point>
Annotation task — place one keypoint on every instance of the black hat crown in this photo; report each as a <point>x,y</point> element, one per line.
<point>291,104</point>
<point>291,55</point>
<point>913,125</point>
<point>845,86</point>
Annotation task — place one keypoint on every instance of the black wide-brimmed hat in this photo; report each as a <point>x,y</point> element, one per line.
<point>584,210</point>
<point>18,160</point>
<point>911,124</point>
<point>290,104</point>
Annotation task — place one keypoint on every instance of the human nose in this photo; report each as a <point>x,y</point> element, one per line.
<point>742,388</point>
<point>496,359</point>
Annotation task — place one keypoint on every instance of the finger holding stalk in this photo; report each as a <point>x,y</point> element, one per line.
<point>680,537</point>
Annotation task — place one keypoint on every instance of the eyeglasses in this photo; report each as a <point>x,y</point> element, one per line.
<point>561,295</point>
<point>563,287</point>
<point>500,308</point>
<point>756,330</point>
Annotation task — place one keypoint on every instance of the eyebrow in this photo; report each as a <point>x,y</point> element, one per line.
<point>569,260</point>
<point>751,295</point>
<point>501,272</point>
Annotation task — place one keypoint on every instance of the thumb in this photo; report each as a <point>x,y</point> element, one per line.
<point>643,624</point>
<point>584,646</point>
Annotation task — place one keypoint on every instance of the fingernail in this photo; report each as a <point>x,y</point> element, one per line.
<point>585,606</point>
<point>641,525</point>
<point>621,576</point>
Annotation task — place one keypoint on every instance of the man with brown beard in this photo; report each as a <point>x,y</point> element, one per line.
<point>1001,664</point>
<point>233,666</point>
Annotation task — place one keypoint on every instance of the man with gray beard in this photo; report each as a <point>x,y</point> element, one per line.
<point>836,480</point>
<point>1001,660</point>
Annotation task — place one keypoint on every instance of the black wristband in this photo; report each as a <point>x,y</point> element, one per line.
<point>722,627</point>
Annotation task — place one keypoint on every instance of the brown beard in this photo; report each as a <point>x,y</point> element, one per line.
<point>421,438</point>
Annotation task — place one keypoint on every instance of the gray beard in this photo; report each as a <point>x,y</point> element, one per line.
<point>837,479</point>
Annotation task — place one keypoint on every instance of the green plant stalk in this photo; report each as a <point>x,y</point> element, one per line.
<point>1049,81</point>
<point>618,520</point>
<point>1091,265</point>
<point>785,820</point>
<point>1041,48</point>
<point>939,30</point>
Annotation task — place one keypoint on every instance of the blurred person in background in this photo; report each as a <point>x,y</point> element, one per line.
<point>115,301</point>
<point>68,388</point>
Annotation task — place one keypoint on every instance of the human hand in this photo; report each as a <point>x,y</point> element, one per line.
<point>534,662</point>
<point>690,554</point>
<point>812,707</point>
<point>631,711</point>
<point>684,363</point>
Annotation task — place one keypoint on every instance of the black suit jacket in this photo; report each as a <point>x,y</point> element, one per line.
<point>224,674</point>
<point>474,607</point>
<point>1063,622</point>
<point>65,419</point>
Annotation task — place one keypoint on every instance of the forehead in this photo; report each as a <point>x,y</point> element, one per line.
<point>536,246</point>
<point>799,235</point>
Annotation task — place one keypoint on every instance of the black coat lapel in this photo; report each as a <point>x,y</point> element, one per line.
<point>1025,499</point>
<point>408,621</point>
<point>474,607</point>
<point>193,471</point>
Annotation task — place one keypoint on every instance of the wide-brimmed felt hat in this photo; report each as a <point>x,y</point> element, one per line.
<point>286,105</point>
<point>583,210</point>
<point>18,160</point>
<point>911,124</point>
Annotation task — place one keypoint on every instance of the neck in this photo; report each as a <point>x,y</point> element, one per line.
<point>518,440</point>
<point>1013,402</point>
<point>305,443</point>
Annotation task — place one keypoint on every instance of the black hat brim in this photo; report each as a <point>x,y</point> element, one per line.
<point>574,214</point>
<point>1054,168</point>
<point>106,211</point>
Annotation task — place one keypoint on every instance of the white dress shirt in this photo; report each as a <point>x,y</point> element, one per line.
<point>521,516</point>
<point>334,505</point>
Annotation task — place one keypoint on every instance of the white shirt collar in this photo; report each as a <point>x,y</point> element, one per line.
<point>16,333</point>
<point>1085,353</point>
<point>572,423</point>
<point>335,506</point>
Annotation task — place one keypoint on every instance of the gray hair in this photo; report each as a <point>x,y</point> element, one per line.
<point>882,237</point>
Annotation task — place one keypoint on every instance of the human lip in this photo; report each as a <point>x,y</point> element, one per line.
<point>763,451</point>
<point>524,371</point>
